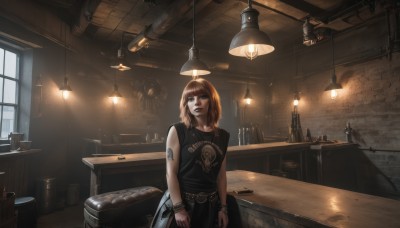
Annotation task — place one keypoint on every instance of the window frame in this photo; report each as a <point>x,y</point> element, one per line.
<point>17,81</point>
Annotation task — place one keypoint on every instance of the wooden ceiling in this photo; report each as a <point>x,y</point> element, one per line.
<point>217,21</point>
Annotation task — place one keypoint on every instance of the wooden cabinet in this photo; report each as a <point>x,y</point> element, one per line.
<point>20,169</point>
<point>333,165</point>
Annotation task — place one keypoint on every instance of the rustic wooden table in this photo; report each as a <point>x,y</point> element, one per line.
<point>282,202</point>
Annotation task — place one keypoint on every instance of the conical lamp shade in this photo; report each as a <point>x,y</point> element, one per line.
<point>194,66</point>
<point>333,85</point>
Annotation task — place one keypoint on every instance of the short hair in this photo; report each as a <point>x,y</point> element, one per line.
<point>198,87</point>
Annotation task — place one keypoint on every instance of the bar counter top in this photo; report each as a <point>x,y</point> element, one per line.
<point>310,205</point>
<point>156,157</point>
<point>16,153</point>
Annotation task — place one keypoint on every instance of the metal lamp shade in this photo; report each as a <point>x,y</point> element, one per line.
<point>333,85</point>
<point>121,64</point>
<point>115,92</point>
<point>65,86</point>
<point>194,64</point>
<point>247,95</point>
<point>250,34</point>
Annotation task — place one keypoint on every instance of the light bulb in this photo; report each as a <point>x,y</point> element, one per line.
<point>296,102</point>
<point>248,101</point>
<point>114,100</point>
<point>251,51</point>
<point>65,94</point>
<point>333,94</point>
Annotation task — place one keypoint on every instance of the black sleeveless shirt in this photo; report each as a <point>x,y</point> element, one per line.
<point>201,156</point>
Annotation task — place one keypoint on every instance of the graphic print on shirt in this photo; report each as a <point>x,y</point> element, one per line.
<point>208,156</point>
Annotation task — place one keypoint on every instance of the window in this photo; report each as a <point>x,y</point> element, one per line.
<point>9,86</point>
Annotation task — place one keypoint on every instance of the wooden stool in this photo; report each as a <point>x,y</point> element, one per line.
<point>127,207</point>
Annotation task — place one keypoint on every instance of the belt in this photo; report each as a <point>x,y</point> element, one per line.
<point>200,197</point>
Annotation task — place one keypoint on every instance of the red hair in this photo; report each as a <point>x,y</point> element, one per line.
<point>198,87</point>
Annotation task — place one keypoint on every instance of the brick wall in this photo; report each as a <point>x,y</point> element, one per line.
<point>369,100</point>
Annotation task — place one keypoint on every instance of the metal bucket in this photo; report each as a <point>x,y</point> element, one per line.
<point>73,194</point>
<point>46,195</point>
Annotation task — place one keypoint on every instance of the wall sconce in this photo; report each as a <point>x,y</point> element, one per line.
<point>333,86</point>
<point>309,38</point>
<point>121,64</point>
<point>250,42</point>
<point>194,66</point>
<point>247,96</point>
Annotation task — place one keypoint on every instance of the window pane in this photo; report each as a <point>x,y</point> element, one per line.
<point>10,89</point>
<point>10,68</point>
<point>1,60</point>
<point>7,121</point>
<point>1,89</point>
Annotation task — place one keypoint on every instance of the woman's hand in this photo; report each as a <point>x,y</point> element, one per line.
<point>182,219</point>
<point>222,219</point>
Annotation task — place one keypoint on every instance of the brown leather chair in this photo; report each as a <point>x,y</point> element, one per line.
<point>123,208</point>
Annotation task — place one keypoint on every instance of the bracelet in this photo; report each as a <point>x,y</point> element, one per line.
<point>224,209</point>
<point>178,207</point>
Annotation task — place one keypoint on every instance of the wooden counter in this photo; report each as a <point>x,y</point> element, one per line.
<point>149,168</point>
<point>282,202</point>
<point>20,169</point>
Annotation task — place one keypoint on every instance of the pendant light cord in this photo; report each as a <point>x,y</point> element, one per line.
<point>65,51</point>
<point>249,3</point>
<point>333,54</point>
<point>194,24</point>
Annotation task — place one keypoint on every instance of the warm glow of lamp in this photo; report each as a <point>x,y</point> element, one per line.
<point>296,102</point>
<point>250,42</point>
<point>65,89</point>
<point>333,86</point>
<point>115,96</point>
<point>296,99</point>
<point>251,51</point>
<point>115,100</point>
<point>333,94</point>
<point>247,97</point>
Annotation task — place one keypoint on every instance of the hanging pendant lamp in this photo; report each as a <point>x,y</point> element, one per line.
<point>333,86</point>
<point>65,87</point>
<point>247,96</point>
<point>121,64</point>
<point>250,42</point>
<point>115,95</point>
<point>194,66</point>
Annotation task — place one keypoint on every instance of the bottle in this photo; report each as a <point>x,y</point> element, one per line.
<point>247,136</point>
<point>244,136</point>
<point>240,137</point>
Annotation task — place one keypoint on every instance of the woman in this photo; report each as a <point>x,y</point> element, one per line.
<point>195,158</point>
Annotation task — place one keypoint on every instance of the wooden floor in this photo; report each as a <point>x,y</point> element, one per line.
<point>68,217</point>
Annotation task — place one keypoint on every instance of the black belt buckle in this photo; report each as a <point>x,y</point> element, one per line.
<point>201,197</point>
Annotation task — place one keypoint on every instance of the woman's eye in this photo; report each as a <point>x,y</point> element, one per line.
<point>190,98</point>
<point>204,97</point>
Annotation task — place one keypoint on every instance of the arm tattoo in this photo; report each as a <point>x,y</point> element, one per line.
<point>170,154</point>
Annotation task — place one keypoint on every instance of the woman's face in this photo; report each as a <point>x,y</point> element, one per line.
<point>198,105</point>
